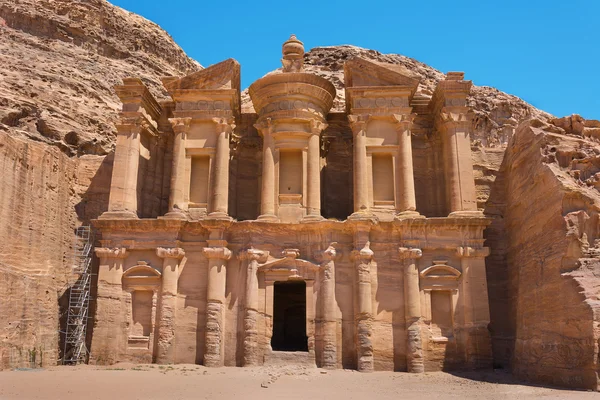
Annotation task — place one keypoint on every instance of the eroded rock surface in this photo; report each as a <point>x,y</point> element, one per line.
<point>60,61</point>
<point>544,271</point>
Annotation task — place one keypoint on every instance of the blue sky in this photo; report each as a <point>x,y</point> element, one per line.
<point>546,52</point>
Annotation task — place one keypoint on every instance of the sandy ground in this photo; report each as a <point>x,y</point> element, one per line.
<point>150,382</point>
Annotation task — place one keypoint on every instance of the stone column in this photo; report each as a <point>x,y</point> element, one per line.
<point>158,177</point>
<point>251,351</point>
<point>364,312</point>
<point>460,182</point>
<point>168,304</point>
<point>476,311</point>
<point>329,305</point>
<point>267,201</point>
<point>220,191</point>
<point>177,206</point>
<point>358,123</point>
<point>123,199</point>
<point>314,171</point>
<point>215,302</point>
<point>110,332</point>
<point>406,203</point>
<point>412,309</point>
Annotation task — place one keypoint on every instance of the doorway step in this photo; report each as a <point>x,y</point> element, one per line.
<point>283,358</point>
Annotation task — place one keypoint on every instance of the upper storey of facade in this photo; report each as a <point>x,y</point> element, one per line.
<point>391,155</point>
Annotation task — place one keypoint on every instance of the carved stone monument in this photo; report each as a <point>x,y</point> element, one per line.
<point>201,265</point>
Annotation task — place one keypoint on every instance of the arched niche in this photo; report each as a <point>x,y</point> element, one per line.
<point>141,284</point>
<point>439,285</point>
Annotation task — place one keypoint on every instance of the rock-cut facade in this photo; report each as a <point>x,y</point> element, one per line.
<point>294,234</point>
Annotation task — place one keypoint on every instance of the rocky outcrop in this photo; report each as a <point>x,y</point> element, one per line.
<point>544,270</point>
<point>60,61</point>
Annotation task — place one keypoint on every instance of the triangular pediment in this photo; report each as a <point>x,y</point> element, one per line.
<point>223,75</point>
<point>359,72</point>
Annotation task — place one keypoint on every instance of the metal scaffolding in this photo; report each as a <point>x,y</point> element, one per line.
<point>75,350</point>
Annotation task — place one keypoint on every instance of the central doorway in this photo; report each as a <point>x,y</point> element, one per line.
<point>289,317</point>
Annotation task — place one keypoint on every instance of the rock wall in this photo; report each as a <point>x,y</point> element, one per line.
<point>544,271</point>
<point>60,61</point>
<point>41,189</point>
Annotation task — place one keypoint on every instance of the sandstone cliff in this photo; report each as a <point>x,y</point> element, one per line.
<point>544,270</point>
<point>60,60</point>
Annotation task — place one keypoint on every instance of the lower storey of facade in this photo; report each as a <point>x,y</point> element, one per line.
<point>408,295</point>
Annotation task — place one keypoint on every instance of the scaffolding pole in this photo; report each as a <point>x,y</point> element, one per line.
<point>75,349</point>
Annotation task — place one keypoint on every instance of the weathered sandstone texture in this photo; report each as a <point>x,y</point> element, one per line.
<point>58,110</point>
<point>59,62</point>
<point>544,271</point>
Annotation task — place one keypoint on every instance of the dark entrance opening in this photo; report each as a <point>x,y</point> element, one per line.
<point>289,317</point>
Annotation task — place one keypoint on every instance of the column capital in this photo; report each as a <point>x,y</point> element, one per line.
<point>455,117</point>
<point>465,251</point>
<point>264,126</point>
<point>115,252</point>
<point>358,122</point>
<point>403,121</point>
<point>409,253</point>
<point>180,125</point>
<point>365,254</point>
<point>330,253</point>
<point>174,252</point>
<point>316,126</point>
<point>217,253</point>
<point>253,254</point>
<point>224,124</point>
<point>130,124</point>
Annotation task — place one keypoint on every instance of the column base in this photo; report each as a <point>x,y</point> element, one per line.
<point>119,215</point>
<point>466,214</point>
<point>175,214</point>
<point>409,214</point>
<point>312,218</point>
<point>268,218</point>
<point>362,215</point>
<point>219,216</point>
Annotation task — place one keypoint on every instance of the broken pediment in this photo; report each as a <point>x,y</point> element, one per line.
<point>289,267</point>
<point>439,270</point>
<point>223,75</point>
<point>359,72</point>
<point>141,277</point>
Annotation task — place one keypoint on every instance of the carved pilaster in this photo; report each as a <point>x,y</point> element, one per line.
<point>406,203</point>
<point>476,314</point>
<point>329,305</point>
<point>251,351</point>
<point>358,123</point>
<point>177,205</point>
<point>267,200</point>
<point>168,304</point>
<point>364,315</point>
<point>412,309</point>
<point>123,198</point>
<point>215,319</point>
<point>220,189</point>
